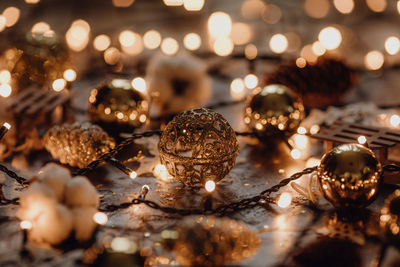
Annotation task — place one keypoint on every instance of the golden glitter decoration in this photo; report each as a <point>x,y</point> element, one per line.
<point>116,103</point>
<point>212,241</point>
<point>198,145</point>
<point>273,110</point>
<point>39,58</point>
<point>77,144</point>
<point>390,216</point>
<point>349,176</point>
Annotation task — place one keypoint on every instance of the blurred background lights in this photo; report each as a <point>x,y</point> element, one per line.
<point>139,84</point>
<point>376,5</point>
<point>131,43</point>
<point>219,24</point>
<point>284,200</point>
<point>122,3</point>
<point>344,6</point>
<point>318,48</point>
<point>308,54</point>
<point>192,41</point>
<point>3,22</point>
<point>40,27</point>
<point>169,46</point>
<point>251,81</point>
<point>127,38</point>
<point>316,8</point>
<point>59,84</point>
<point>223,46</point>
<point>5,90</point>
<point>5,76</point>
<point>101,42</point>
<point>301,62</point>
<point>70,75</point>
<point>77,36</point>
<point>252,9</point>
<point>272,14</point>
<point>112,55</point>
<point>32,1</point>
<point>25,225</point>
<point>392,45</point>
<point>241,33</point>
<point>193,5</point>
<point>278,43</point>
<point>237,89</point>
<point>374,60</point>
<point>395,120</point>
<point>295,153</point>
<point>11,15</point>
<point>152,39</point>
<point>330,37</point>
<point>250,51</point>
<point>173,2</point>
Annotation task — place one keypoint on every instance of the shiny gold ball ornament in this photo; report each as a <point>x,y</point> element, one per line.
<point>198,145</point>
<point>273,110</point>
<point>390,216</point>
<point>349,176</point>
<point>116,104</point>
<point>212,241</point>
<point>77,144</point>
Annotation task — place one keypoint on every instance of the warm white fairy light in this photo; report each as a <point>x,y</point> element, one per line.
<point>152,39</point>
<point>301,130</point>
<point>318,48</point>
<point>32,2</point>
<point>192,41</point>
<point>223,46</point>
<point>362,140</point>
<point>5,90</point>
<point>5,77</point>
<point>210,186</point>
<point>374,60</point>
<point>169,46</point>
<point>285,199</point>
<point>241,33</point>
<point>77,36</point>
<point>344,6</point>
<point>301,141</point>
<point>237,89</point>
<point>295,153</point>
<point>100,218</point>
<point>101,42</point>
<point>70,75</point>
<point>251,81</point>
<point>395,120</point>
<point>139,84</point>
<point>126,38</point>
<point>59,85</point>
<point>173,2</point>
<point>133,175</point>
<point>330,37</point>
<point>7,125</point>
<point>112,55</point>
<point>193,5</point>
<point>40,27</point>
<point>12,15</point>
<point>392,45</point>
<point>278,43</point>
<point>219,24</point>
<point>250,51</point>
<point>25,225</point>
<point>131,42</point>
<point>124,245</point>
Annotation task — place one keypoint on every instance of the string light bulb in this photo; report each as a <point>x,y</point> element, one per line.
<point>295,153</point>
<point>395,120</point>
<point>251,81</point>
<point>210,186</point>
<point>25,225</point>
<point>392,45</point>
<point>69,75</point>
<point>139,84</point>
<point>285,199</point>
<point>362,140</point>
<point>133,175</point>
<point>100,218</point>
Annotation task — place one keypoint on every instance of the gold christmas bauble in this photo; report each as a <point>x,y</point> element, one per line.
<point>273,110</point>
<point>212,241</point>
<point>116,105</point>
<point>38,58</point>
<point>349,176</point>
<point>390,216</point>
<point>198,145</point>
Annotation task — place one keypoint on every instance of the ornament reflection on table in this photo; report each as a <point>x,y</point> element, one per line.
<point>349,176</point>
<point>77,144</point>
<point>213,241</point>
<point>390,217</point>
<point>115,104</point>
<point>274,110</point>
<point>198,145</point>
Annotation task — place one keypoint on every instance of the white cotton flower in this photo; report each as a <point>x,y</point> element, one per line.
<point>80,192</point>
<point>52,226</point>
<point>55,177</point>
<point>177,83</point>
<point>84,224</point>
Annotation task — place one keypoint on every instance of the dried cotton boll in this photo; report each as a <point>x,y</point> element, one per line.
<point>36,200</point>
<point>80,192</point>
<point>55,177</point>
<point>84,224</point>
<point>52,226</point>
<point>177,83</point>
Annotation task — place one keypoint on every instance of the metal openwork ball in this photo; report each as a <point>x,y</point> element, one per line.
<point>116,103</point>
<point>198,145</point>
<point>274,110</point>
<point>390,216</point>
<point>349,176</point>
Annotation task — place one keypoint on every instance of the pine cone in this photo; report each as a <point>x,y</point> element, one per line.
<point>322,84</point>
<point>77,144</point>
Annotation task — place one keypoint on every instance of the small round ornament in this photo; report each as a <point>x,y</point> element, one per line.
<point>274,110</point>
<point>390,216</point>
<point>198,145</point>
<point>212,241</point>
<point>349,176</point>
<point>116,104</point>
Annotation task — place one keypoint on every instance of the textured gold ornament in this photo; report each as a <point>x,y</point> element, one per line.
<point>390,216</point>
<point>116,102</point>
<point>37,58</point>
<point>274,109</point>
<point>198,145</point>
<point>77,144</point>
<point>349,176</point>
<point>212,241</point>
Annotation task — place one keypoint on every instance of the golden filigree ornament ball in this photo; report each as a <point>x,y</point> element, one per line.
<point>349,176</point>
<point>115,104</point>
<point>213,241</point>
<point>273,110</point>
<point>77,144</point>
<point>390,216</point>
<point>198,145</point>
